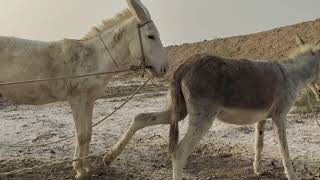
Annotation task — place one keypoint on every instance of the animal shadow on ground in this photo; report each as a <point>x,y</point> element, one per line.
<point>224,162</point>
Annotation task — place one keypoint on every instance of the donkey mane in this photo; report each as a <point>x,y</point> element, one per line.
<point>108,23</point>
<point>303,50</point>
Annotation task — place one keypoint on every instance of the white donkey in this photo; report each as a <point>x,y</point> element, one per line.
<point>238,92</point>
<point>129,36</point>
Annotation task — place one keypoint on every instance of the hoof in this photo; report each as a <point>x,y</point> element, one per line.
<point>88,170</point>
<point>257,169</point>
<point>107,160</point>
<point>83,177</point>
<point>82,172</point>
<point>294,178</point>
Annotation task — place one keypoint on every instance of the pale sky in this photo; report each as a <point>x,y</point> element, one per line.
<point>178,21</point>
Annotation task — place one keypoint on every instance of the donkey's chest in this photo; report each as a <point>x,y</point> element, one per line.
<point>242,116</point>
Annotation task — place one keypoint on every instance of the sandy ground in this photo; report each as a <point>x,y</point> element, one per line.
<point>225,153</point>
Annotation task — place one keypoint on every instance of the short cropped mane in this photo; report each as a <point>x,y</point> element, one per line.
<point>108,23</point>
<point>303,50</point>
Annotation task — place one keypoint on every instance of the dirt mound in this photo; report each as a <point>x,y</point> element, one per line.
<point>269,45</point>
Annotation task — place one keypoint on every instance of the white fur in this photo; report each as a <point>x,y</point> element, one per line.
<point>22,59</point>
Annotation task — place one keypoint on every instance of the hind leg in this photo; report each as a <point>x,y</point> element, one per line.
<point>199,124</point>
<point>258,146</point>
<point>140,121</point>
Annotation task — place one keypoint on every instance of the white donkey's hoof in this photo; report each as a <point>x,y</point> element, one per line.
<point>108,159</point>
<point>257,168</point>
<point>83,176</point>
<point>258,171</point>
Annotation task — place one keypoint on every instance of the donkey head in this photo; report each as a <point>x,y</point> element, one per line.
<point>147,44</point>
<point>314,86</point>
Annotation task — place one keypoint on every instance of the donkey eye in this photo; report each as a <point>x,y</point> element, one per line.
<point>151,37</point>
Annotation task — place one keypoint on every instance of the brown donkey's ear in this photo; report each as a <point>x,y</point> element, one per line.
<point>139,10</point>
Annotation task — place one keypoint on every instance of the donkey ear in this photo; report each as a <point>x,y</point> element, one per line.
<point>139,10</point>
<point>299,41</point>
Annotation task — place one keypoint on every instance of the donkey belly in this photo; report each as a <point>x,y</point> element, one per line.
<point>241,116</point>
<point>31,94</point>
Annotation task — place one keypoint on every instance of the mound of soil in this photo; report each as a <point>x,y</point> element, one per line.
<point>274,44</point>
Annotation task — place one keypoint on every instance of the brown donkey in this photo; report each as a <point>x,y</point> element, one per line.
<point>238,92</point>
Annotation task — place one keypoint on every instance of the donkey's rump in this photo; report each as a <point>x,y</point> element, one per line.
<point>23,60</point>
<point>239,84</point>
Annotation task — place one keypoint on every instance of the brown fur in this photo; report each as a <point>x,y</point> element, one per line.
<point>230,83</point>
<point>178,107</point>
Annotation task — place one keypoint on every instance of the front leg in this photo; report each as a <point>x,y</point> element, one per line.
<point>280,125</point>
<point>82,109</point>
<point>258,146</point>
<point>139,122</point>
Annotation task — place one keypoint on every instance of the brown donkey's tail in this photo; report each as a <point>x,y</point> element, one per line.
<point>178,110</point>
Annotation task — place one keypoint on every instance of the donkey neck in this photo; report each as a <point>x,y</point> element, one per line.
<point>116,40</point>
<point>302,70</point>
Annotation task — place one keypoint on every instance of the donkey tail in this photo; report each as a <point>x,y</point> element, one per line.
<point>178,110</point>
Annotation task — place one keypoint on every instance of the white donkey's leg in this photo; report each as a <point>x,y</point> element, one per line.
<point>280,125</point>
<point>139,122</point>
<point>258,146</point>
<point>82,109</point>
<point>199,124</point>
